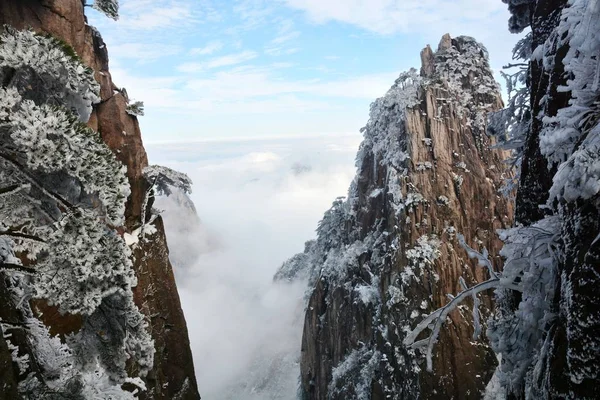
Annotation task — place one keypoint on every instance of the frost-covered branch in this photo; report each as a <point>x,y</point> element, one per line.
<point>163,181</point>
<point>66,79</point>
<point>511,124</point>
<point>136,108</point>
<point>16,268</point>
<point>110,8</point>
<point>482,258</point>
<point>436,319</point>
<point>34,181</point>
<point>439,316</point>
<point>21,235</point>
<point>62,192</point>
<point>13,189</point>
<point>529,268</point>
<point>166,179</point>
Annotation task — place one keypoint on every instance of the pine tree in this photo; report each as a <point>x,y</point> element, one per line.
<point>62,194</point>
<point>108,7</point>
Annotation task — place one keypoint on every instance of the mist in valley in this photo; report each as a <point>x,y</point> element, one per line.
<point>257,202</point>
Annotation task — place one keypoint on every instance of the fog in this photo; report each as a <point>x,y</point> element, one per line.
<point>257,201</point>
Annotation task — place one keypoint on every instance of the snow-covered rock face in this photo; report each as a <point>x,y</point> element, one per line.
<point>548,334</point>
<point>105,111</point>
<point>388,254</point>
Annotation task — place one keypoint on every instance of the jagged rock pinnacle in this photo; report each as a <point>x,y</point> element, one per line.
<point>427,62</point>
<point>445,42</point>
<point>388,254</point>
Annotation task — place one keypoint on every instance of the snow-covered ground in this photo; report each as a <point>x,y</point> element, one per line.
<point>258,201</point>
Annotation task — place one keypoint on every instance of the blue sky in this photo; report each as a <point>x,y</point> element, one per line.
<point>281,68</point>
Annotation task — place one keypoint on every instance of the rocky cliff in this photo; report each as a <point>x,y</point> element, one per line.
<point>548,333</point>
<point>156,294</point>
<point>389,254</point>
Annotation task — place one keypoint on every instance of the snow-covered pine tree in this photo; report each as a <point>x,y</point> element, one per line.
<point>136,108</point>
<point>511,124</point>
<point>164,181</point>
<point>62,195</point>
<point>108,7</point>
<point>548,334</point>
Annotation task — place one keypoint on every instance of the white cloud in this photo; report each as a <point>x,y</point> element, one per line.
<point>223,61</point>
<point>143,52</point>
<point>159,15</point>
<point>245,330</point>
<point>253,13</point>
<point>259,82</point>
<point>391,16</point>
<point>248,90</point>
<point>486,20</point>
<point>285,37</point>
<point>280,50</point>
<point>210,48</point>
<point>282,65</point>
<point>232,85</point>
<point>286,32</point>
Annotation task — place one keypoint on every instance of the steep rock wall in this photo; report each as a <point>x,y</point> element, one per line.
<point>156,294</point>
<point>388,255</point>
<point>560,183</point>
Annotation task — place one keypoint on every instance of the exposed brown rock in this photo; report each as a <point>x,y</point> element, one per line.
<point>445,43</point>
<point>443,142</point>
<point>427,66</point>
<point>121,133</point>
<point>156,293</point>
<point>476,210</point>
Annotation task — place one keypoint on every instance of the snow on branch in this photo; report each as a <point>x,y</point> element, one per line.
<point>16,268</point>
<point>436,319</point>
<point>13,189</point>
<point>511,124</point>
<point>529,268</point>
<point>164,179</point>
<point>66,80</point>
<point>62,192</point>
<point>482,258</point>
<point>110,8</point>
<point>136,109</point>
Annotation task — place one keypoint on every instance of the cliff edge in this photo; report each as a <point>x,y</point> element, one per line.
<point>172,376</point>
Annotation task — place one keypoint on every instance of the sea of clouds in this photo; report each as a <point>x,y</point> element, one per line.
<point>257,202</point>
